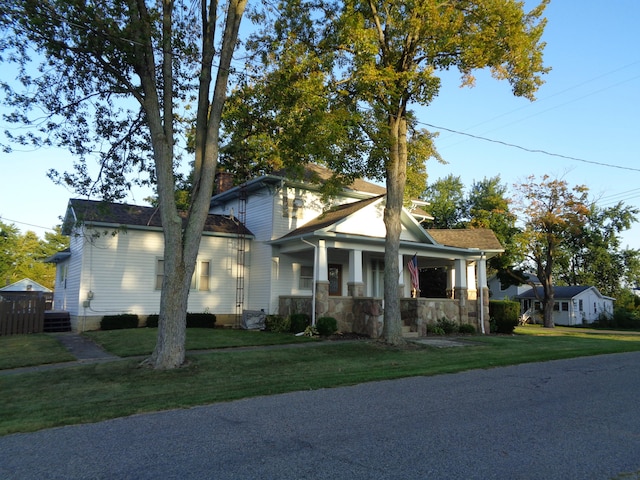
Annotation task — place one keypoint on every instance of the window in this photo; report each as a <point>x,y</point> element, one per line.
<point>556,307</point>
<point>377,277</point>
<point>306,277</point>
<point>565,306</point>
<point>159,273</point>
<point>580,307</point>
<point>199,281</point>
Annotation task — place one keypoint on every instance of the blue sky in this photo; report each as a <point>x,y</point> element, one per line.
<point>588,109</point>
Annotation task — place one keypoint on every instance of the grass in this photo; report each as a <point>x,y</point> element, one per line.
<point>96,392</point>
<point>140,341</point>
<point>27,350</point>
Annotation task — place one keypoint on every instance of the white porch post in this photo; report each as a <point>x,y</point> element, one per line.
<point>471,282</point>
<point>483,290</point>
<point>401,293</point>
<point>322,281</point>
<point>355,285</point>
<point>460,288</point>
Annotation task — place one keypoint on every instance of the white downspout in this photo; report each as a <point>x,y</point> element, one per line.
<point>315,276</point>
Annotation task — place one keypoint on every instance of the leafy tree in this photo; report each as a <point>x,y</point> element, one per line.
<point>124,74</point>
<point>22,255</point>
<point>552,213</point>
<point>446,203</point>
<point>377,58</point>
<point>595,256</point>
<point>489,206</point>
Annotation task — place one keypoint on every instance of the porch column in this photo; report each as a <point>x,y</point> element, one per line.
<point>355,285</point>
<point>472,292</point>
<point>401,266</point>
<point>483,295</point>
<point>460,288</point>
<point>322,281</point>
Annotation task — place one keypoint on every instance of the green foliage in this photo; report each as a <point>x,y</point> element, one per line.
<point>326,326</point>
<point>449,327</point>
<point>22,255</point>
<point>446,203</point>
<point>299,322</point>
<point>504,313</point>
<point>467,328</point>
<point>118,322</point>
<point>194,320</point>
<point>277,324</point>
<point>435,330</point>
<point>310,331</point>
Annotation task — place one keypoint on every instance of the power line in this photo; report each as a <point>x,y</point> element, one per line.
<point>27,224</point>
<point>530,150</point>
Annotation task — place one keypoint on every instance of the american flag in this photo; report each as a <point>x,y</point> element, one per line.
<point>413,269</point>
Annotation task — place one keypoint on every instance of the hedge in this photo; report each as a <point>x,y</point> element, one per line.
<point>505,314</point>
<point>194,320</point>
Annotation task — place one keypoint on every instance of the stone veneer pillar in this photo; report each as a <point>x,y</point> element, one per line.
<point>322,299</point>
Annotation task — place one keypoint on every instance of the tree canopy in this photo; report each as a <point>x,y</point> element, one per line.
<point>122,82</point>
<point>373,60</point>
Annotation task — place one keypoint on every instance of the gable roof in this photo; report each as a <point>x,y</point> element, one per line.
<point>25,285</point>
<point>480,238</point>
<point>562,292</point>
<point>122,214</point>
<point>331,216</point>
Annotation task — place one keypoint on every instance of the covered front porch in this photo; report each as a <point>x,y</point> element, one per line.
<point>344,280</point>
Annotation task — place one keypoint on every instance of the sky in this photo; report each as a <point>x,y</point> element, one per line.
<point>586,118</point>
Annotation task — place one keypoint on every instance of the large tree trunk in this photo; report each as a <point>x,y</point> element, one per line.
<point>396,171</point>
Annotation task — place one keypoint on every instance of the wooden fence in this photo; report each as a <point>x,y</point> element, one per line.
<point>22,312</point>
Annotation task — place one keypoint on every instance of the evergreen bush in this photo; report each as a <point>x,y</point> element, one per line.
<point>326,326</point>
<point>298,322</point>
<point>117,322</point>
<point>448,326</point>
<point>467,328</point>
<point>505,314</point>
<point>194,320</point>
<point>277,324</point>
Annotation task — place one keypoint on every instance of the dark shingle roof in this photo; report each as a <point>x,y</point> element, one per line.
<point>313,173</point>
<point>92,211</point>
<point>558,292</point>
<point>481,238</point>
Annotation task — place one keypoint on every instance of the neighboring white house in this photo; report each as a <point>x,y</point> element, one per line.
<point>575,305</point>
<point>512,291</point>
<point>25,285</point>
<point>273,244</point>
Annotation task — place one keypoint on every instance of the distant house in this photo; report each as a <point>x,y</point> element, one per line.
<point>25,285</point>
<point>275,244</point>
<point>510,292</point>
<point>575,305</point>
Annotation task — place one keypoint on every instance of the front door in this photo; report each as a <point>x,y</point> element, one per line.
<point>335,280</point>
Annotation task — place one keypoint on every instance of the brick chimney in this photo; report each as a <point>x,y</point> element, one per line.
<point>223,182</point>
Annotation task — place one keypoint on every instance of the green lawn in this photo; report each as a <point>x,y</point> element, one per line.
<point>27,350</point>
<point>89,393</point>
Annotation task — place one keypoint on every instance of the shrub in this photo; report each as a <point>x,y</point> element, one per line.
<point>447,326</point>
<point>298,322</point>
<point>116,322</point>
<point>467,328</point>
<point>435,330</point>
<point>201,320</point>
<point>194,320</point>
<point>152,320</point>
<point>505,314</point>
<point>326,326</point>
<point>277,324</point>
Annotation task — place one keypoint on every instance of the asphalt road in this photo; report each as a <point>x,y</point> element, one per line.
<point>569,419</point>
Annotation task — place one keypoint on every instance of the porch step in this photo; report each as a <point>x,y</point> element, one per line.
<point>407,333</point>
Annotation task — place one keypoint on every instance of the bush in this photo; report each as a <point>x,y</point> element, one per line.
<point>447,326</point>
<point>194,320</point>
<point>326,326</point>
<point>277,324</point>
<point>117,322</point>
<point>467,328</point>
<point>298,322</point>
<point>434,330</point>
<point>505,314</point>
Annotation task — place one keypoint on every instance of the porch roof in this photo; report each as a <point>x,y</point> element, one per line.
<point>480,238</point>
